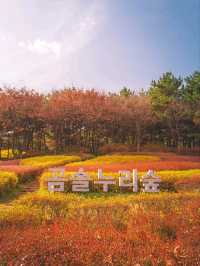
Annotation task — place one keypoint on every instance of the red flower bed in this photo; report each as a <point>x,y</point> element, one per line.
<point>141,166</point>
<point>188,183</point>
<point>147,239</point>
<point>178,158</point>
<point>23,172</point>
<point>9,162</point>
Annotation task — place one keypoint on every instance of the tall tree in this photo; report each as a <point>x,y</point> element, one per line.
<point>191,94</point>
<point>166,97</point>
<point>126,92</point>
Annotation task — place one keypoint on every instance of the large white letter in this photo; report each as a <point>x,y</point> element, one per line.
<point>80,182</point>
<point>151,182</point>
<point>56,186</point>
<point>105,184</point>
<point>56,182</point>
<point>104,180</point>
<point>124,179</point>
<point>135,180</point>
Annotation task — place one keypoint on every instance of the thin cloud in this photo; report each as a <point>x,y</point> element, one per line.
<point>47,53</point>
<point>3,38</point>
<point>41,47</point>
<point>84,31</point>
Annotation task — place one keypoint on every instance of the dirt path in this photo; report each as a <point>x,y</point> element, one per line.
<point>25,188</point>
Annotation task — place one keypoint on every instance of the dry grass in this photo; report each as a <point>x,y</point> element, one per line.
<point>49,160</point>
<point>103,230</point>
<point>114,163</point>
<point>8,181</point>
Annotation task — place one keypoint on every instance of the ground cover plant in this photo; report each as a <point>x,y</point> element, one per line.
<point>115,228</point>
<point>49,161</point>
<point>25,173</point>
<point>172,180</point>
<point>9,162</point>
<point>102,229</point>
<point>114,163</point>
<point>34,165</point>
<point>8,181</point>
<point>31,168</point>
<point>13,176</point>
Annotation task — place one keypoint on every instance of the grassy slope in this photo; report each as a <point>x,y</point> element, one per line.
<point>8,182</point>
<point>49,161</point>
<point>102,226</point>
<point>28,169</point>
<point>114,163</point>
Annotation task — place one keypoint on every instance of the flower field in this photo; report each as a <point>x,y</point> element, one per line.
<point>8,181</point>
<point>49,161</point>
<point>114,163</point>
<point>114,228</point>
<point>102,230</point>
<point>30,168</point>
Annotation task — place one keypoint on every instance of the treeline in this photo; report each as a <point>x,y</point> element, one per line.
<point>167,115</point>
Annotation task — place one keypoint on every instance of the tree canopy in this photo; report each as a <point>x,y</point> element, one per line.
<point>168,114</point>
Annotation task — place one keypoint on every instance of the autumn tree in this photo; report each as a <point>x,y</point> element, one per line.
<point>75,119</point>
<point>140,116</point>
<point>21,119</point>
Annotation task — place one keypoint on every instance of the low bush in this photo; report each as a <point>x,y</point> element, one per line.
<point>16,174</point>
<point>179,176</point>
<point>8,181</point>
<point>20,216</point>
<point>24,173</point>
<point>30,168</point>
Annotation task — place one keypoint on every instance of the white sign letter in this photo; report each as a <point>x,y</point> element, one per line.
<point>80,182</point>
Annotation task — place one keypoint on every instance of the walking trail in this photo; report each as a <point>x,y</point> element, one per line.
<point>25,188</point>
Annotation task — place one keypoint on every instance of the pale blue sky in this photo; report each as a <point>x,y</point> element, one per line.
<point>102,44</point>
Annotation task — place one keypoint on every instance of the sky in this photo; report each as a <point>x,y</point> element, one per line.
<point>101,44</point>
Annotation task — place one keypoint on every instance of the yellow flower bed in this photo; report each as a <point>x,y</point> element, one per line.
<point>8,181</point>
<point>111,159</point>
<point>37,207</point>
<point>176,175</point>
<point>50,160</point>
